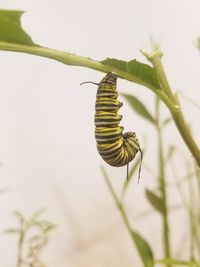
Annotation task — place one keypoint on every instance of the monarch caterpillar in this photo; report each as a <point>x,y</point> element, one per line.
<point>115,147</point>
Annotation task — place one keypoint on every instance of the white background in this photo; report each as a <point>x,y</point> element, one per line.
<point>47,147</point>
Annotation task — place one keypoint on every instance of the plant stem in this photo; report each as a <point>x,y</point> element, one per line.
<point>162,183</point>
<point>191,215</point>
<point>186,135</point>
<point>142,246</point>
<point>118,204</point>
<point>75,60</point>
<point>155,59</point>
<point>179,263</point>
<point>197,172</point>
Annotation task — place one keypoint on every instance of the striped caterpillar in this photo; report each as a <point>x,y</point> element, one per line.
<point>115,147</point>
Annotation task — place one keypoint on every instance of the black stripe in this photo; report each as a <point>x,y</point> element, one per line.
<point>102,119</point>
<point>110,154</point>
<point>107,142</point>
<point>109,136</point>
<point>109,105</point>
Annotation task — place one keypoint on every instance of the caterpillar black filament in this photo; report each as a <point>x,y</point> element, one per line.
<point>114,146</point>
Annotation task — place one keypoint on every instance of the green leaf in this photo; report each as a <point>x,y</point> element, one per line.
<point>10,28</point>
<point>144,250</point>
<point>155,200</point>
<point>143,71</point>
<point>139,108</point>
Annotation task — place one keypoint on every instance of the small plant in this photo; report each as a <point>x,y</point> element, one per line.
<point>33,236</point>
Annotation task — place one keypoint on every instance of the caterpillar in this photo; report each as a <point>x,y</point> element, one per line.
<point>115,147</point>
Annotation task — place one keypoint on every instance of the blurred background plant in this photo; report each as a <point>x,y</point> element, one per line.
<point>33,234</point>
<point>187,187</point>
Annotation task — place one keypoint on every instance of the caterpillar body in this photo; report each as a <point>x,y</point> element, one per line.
<point>114,146</point>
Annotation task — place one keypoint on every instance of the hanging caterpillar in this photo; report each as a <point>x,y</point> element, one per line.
<point>115,147</point>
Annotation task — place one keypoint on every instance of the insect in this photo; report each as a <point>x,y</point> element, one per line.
<point>115,147</point>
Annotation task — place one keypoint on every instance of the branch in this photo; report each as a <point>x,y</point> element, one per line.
<point>155,59</point>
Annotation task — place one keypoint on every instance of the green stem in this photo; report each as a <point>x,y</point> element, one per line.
<point>162,183</point>
<point>155,59</point>
<point>197,172</point>
<point>179,263</point>
<point>191,216</point>
<point>75,60</point>
<point>61,56</point>
<point>142,246</point>
<point>118,204</point>
<point>186,135</point>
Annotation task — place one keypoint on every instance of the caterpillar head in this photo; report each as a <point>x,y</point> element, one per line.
<point>109,79</point>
